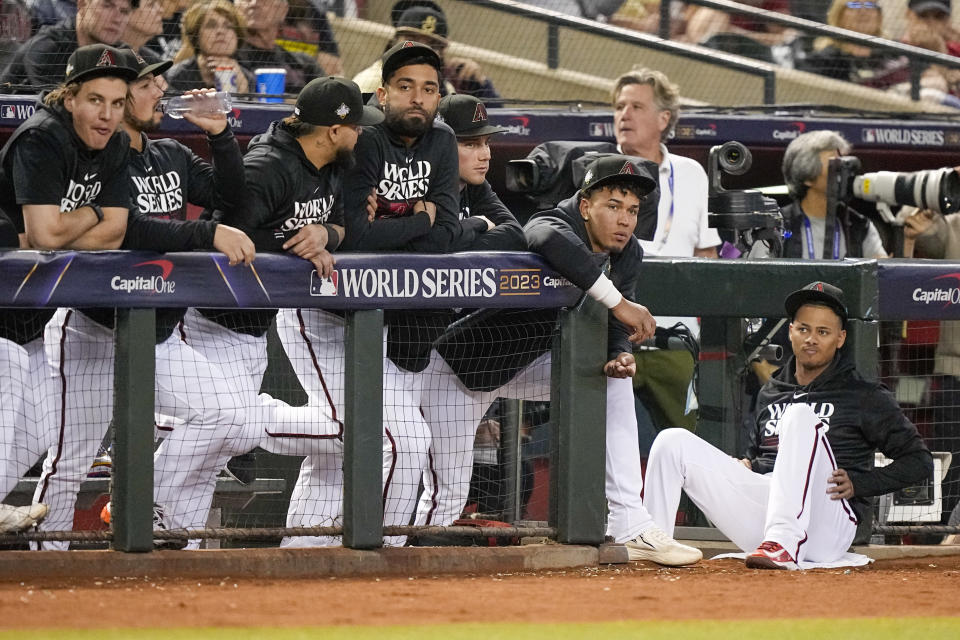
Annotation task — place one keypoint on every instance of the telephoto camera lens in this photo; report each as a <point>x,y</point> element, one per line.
<point>934,189</point>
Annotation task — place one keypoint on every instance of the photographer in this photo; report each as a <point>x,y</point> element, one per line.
<point>805,218</point>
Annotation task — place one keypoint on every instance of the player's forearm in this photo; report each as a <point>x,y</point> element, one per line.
<point>229,181</point>
<point>46,228</point>
<point>108,234</point>
<point>383,235</point>
<point>906,470</point>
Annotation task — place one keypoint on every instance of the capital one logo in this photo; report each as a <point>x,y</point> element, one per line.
<point>149,282</point>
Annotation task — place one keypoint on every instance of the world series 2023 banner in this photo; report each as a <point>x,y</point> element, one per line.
<point>360,281</point>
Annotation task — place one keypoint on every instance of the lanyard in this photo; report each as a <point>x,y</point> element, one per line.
<point>809,232</point>
<point>669,222</point>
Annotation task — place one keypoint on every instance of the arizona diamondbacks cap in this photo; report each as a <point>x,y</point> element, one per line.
<point>821,293</point>
<point>329,101</point>
<point>97,60</point>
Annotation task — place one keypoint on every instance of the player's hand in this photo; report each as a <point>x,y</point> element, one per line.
<point>234,244</point>
<point>763,370</point>
<point>212,123</point>
<point>429,208</point>
<point>308,242</point>
<point>843,486</point>
<point>490,224</point>
<point>623,366</point>
<point>746,462</point>
<point>372,205</point>
<point>637,318</point>
<point>323,263</point>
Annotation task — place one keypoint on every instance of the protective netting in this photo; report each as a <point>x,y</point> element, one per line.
<point>494,51</point>
<point>917,363</point>
<point>249,412</point>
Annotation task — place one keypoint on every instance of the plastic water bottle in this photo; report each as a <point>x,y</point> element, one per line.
<point>199,104</point>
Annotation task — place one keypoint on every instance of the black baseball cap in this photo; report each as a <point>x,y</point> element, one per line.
<point>401,53</point>
<point>329,101</point>
<point>467,116</point>
<point>97,60</point>
<point>922,6</point>
<point>423,19</point>
<point>608,168</point>
<point>135,61</point>
<point>821,293</point>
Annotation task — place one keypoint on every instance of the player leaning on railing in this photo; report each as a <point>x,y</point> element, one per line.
<point>82,202</point>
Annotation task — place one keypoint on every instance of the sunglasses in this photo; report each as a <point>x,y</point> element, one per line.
<point>857,4</point>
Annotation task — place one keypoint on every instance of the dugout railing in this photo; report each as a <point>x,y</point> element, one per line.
<point>85,279</point>
<point>722,293</point>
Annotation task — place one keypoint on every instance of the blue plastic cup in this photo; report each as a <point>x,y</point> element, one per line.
<point>272,80</point>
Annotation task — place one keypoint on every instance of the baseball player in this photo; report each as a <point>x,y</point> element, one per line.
<point>74,142</point>
<point>294,204</point>
<point>192,392</point>
<point>451,410</point>
<point>798,493</point>
<point>17,395</point>
<point>410,162</point>
<point>589,240</point>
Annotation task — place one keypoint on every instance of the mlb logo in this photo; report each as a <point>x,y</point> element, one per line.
<point>869,135</point>
<point>597,130</point>
<point>7,111</point>
<point>324,286</point>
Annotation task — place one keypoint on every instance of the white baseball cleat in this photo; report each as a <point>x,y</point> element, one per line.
<point>15,519</point>
<point>655,545</point>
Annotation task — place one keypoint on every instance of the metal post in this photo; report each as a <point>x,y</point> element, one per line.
<point>134,365</point>
<point>578,391</point>
<point>863,336</point>
<point>664,30</point>
<point>720,343</point>
<point>363,430</point>
<point>509,446</point>
<point>553,46</point>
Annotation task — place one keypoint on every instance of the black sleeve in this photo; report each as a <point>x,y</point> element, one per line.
<point>154,234</point>
<point>116,184</point>
<point>40,62</point>
<point>265,193</point>
<point>220,184</point>
<point>626,274</point>
<point>444,190</point>
<point>887,428</point>
<point>36,154</point>
<point>327,40</point>
<point>9,239</point>
<point>563,250</point>
<point>381,234</point>
<point>506,235</point>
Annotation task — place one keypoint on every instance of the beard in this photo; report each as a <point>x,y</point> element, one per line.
<point>146,126</point>
<point>408,128</point>
<point>345,159</point>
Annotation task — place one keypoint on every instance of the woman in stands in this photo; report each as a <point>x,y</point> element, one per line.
<point>211,33</point>
<point>851,61</point>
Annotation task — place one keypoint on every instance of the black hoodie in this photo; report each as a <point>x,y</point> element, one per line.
<point>560,236</point>
<point>861,417</point>
<point>284,193</point>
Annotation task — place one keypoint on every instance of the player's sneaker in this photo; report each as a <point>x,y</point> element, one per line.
<point>770,555</point>
<point>102,464</point>
<point>15,519</point>
<point>655,545</point>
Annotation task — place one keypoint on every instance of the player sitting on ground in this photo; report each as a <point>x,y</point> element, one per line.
<point>802,487</point>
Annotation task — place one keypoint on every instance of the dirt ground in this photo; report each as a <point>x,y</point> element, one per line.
<point>721,589</point>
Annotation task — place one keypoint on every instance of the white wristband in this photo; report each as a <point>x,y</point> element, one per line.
<point>604,292</point>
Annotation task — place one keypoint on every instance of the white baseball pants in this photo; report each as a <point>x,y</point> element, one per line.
<point>789,506</point>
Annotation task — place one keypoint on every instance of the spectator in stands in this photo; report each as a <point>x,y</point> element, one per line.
<point>307,30</point>
<point>938,236</point>
<point>15,28</point>
<point>740,34</point>
<point>44,12</point>
<point>855,62</point>
<point>932,16</point>
<point>146,22</point>
<point>211,33</point>
<point>938,84</point>
<point>168,42</point>
<point>646,107</point>
<point>644,15</point>
<point>424,22</point>
<point>42,60</point>
<point>260,48</point>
